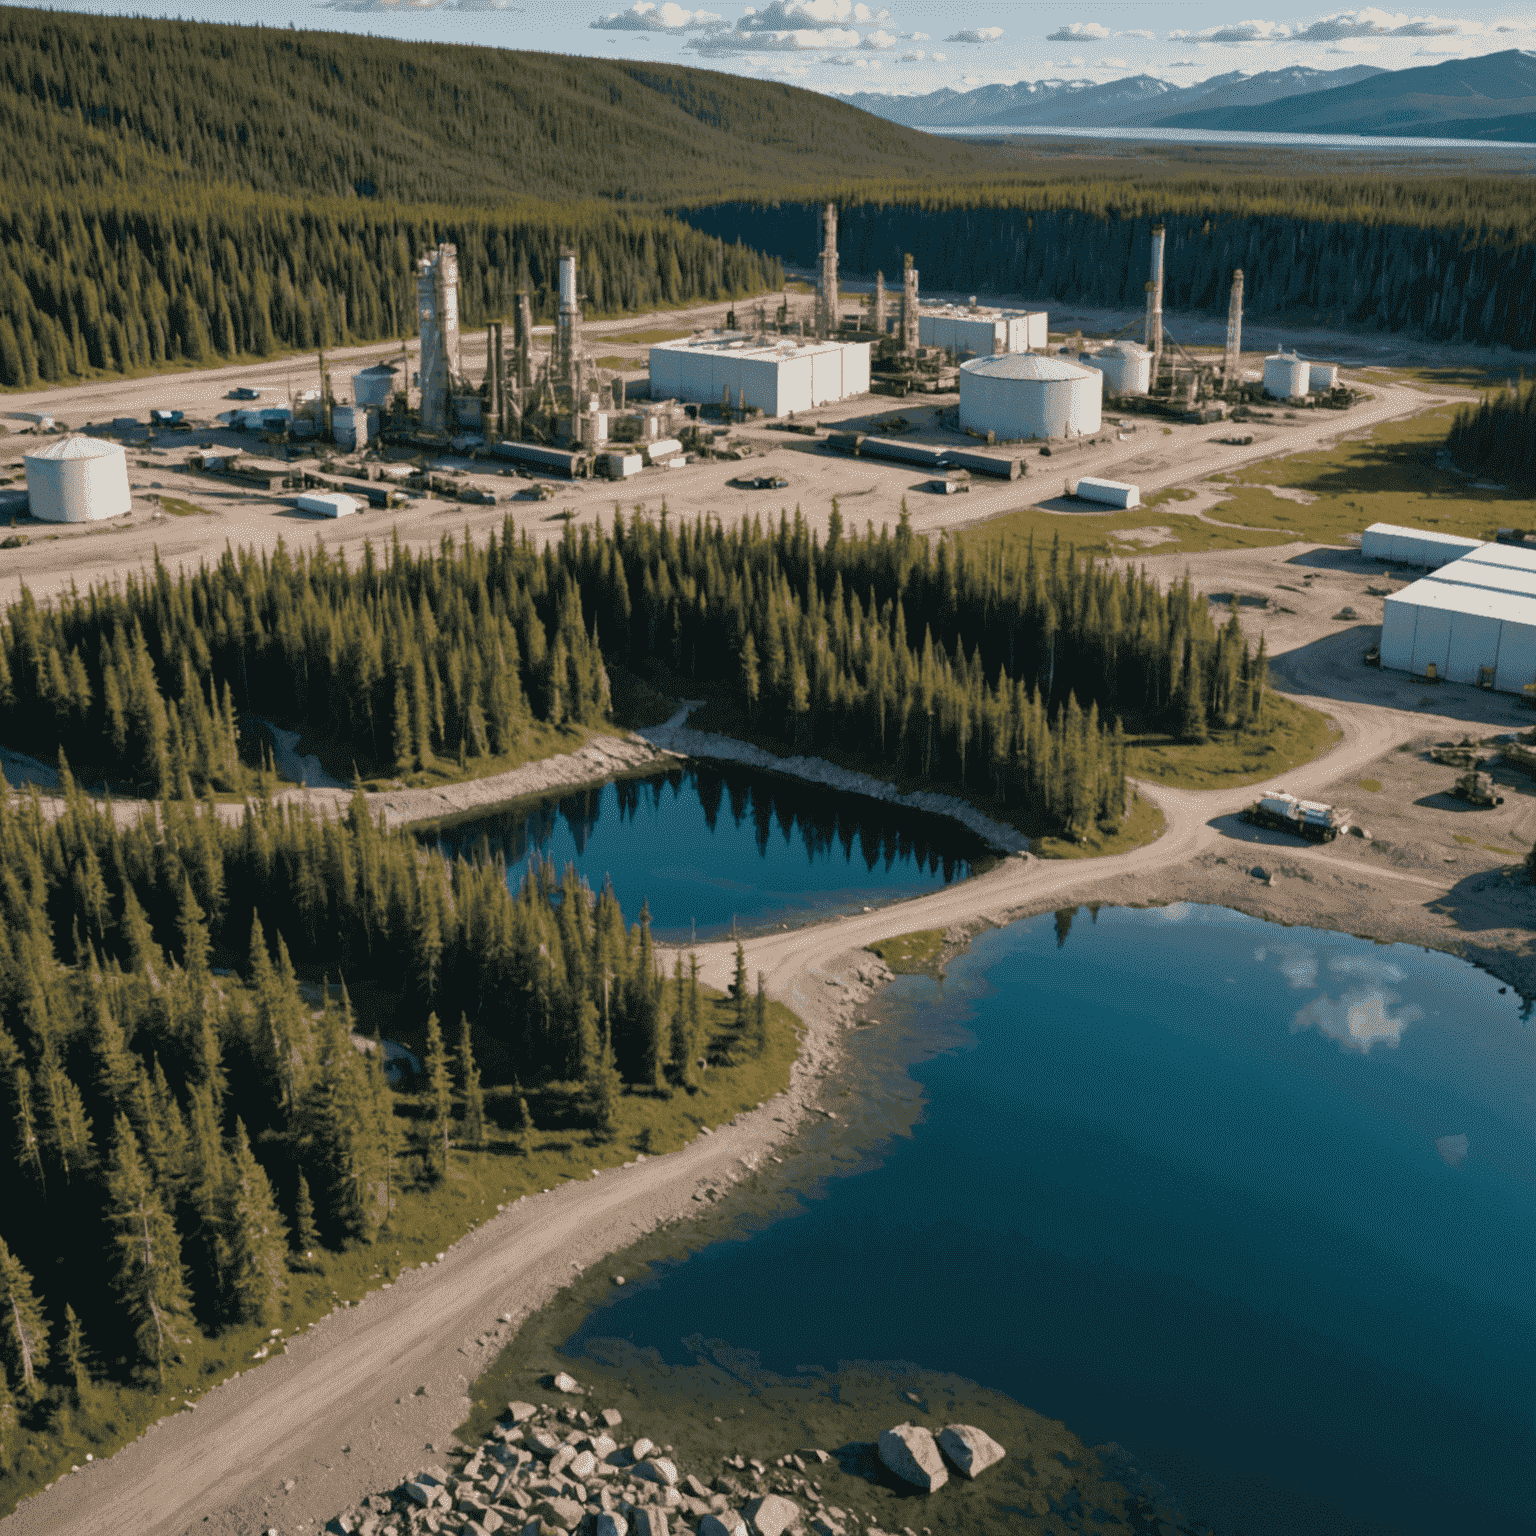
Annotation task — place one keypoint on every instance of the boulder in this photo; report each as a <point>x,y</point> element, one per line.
<point>909,1451</point>
<point>563,1514</point>
<point>970,1451</point>
<point>582,1466</point>
<point>726,1523</point>
<point>612,1523</point>
<point>642,1448</point>
<point>772,1514</point>
<point>611,1417</point>
<point>561,1460</point>
<point>649,1522</point>
<point>567,1384</point>
<point>543,1443</point>
<point>601,1446</point>
<point>520,1413</point>
<point>423,1493</point>
<point>658,1469</point>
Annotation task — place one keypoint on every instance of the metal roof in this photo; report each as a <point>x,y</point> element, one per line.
<point>1512,556</point>
<point>927,309</point>
<point>1397,531</point>
<point>1028,365</point>
<point>78,448</point>
<point>1478,602</point>
<point>744,344</point>
<point>1495,578</point>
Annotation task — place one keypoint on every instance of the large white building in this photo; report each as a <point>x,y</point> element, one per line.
<point>981,332</point>
<point>776,374</point>
<point>1472,620</point>
<point>77,480</point>
<point>1028,396</point>
<point>1414,546</point>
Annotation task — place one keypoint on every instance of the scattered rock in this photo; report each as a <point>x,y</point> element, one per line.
<point>1259,872</point>
<point>611,1417</point>
<point>563,1514</point>
<point>612,1523</point>
<point>520,1413</point>
<point>642,1448</point>
<point>970,1451</point>
<point>650,1522</point>
<point>772,1514</point>
<point>813,1454</point>
<point>724,1523</point>
<point>658,1469</point>
<point>567,1384</point>
<point>909,1451</point>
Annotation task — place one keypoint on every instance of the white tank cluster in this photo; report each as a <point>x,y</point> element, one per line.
<point>1286,376</point>
<point>1027,395</point>
<point>1127,368</point>
<point>78,480</point>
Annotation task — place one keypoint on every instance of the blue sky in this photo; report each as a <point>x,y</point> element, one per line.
<point>906,45</point>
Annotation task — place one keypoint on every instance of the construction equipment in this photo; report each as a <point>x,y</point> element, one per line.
<point>1311,819</point>
<point>1520,754</point>
<point>1462,754</point>
<point>1477,789</point>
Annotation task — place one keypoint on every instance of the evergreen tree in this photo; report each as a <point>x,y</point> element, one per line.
<point>523,1129</point>
<point>760,1016</point>
<point>23,1329</point>
<point>739,988</point>
<point>305,1238</point>
<point>469,1087</point>
<point>255,1237</point>
<point>75,1354</point>
<point>439,1105</point>
<point>603,1093</point>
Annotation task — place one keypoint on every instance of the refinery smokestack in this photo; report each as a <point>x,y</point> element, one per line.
<point>1155,300</point>
<point>879,303</point>
<point>827,322</point>
<point>567,358</point>
<point>908,306</point>
<point>1232,370</point>
<point>437,302</point>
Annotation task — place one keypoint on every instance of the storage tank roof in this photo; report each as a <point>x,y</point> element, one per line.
<point>79,448</point>
<point>380,368</point>
<point>1026,365</point>
<point>1125,349</point>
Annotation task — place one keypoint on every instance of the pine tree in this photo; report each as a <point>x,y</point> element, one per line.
<point>603,1092</point>
<point>524,1128</point>
<point>23,1329</point>
<point>75,1354</point>
<point>305,1238</point>
<point>760,1016</point>
<point>439,1105</point>
<point>7,1422</point>
<point>469,1087</point>
<point>255,1237</point>
<point>739,987</point>
<point>148,1275</point>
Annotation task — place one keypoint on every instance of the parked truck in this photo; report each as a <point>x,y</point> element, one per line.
<point>1311,819</point>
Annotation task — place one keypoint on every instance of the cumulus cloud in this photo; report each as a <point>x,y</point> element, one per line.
<point>401,7</point>
<point>1372,22</point>
<point>1237,32</point>
<point>794,15</point>
<point>647,16</point>
<point>1081,32</point>
<point>802,40</point>
<point>1146,37</point>
<point>976,35</point>
<point>880,41</point>
<point>1110,64</point>
<point>940,58</point>
<point>915,57</point>
<point>799,26</point>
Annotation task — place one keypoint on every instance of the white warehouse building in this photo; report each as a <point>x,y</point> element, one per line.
<point>77,480</point>
<point>1414,546</point>
<point>981,332</point>
<point>1471,621</point>
<point>1028,396</point>
<point>777,375</point>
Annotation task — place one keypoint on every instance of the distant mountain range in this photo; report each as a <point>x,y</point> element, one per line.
<point>1492,97</point>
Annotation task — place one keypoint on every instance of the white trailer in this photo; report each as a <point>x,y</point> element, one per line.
<point>1113,493</point>
<point>329,504</point>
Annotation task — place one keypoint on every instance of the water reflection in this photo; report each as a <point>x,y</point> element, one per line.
<point>1362,1015</point>
<point>712,847</point>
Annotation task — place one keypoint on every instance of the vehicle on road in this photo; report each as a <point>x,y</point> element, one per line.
<point>243,392</point>
<point>1477,789</point>
<point>760,482</point>
<point>536,493</point>
<point>1311,819</point>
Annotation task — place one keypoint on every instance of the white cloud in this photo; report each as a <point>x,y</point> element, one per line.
<point>915,57</point>
<point>795,15</point>
<point>919,37</point>
<point>1237,32</point>
<point>1185,64</point>
<point>878,42</point>
<point>1371,22</point>
<point>401,7</point>
<point>1358,1020</point>
<point>1110,64</point>
<point>1079,32</point>
<point>976,35</point>
<point>803,40</point>
<point>647,16</point>
<point>1138,32</point>
<point>940,58</point>
<point>1356,45</point>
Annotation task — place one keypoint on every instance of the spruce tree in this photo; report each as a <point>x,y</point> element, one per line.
<point>439,1105</point>
<point>604,1089</point>
<point>524,1128</point>
<point>760,1016</point>
<point>469,1087</point>
<point>23,1328</point>
<point>147,1273</point>
<point>305,1238</point>
<point>739,987</point>
<point>7,1422</point>
<point>255,1238</point>
<point>75,1355</point>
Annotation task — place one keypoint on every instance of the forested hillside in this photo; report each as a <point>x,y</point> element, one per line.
<point>1000,678</point>
<point>1497,437</point>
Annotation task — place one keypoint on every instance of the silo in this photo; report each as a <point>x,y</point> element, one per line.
<point>1321,376</point>
<point>373,386</point>
<point>1285,376</point>
<point>1127,368</point>
<point>78,480</point>
<point>1027,395</point>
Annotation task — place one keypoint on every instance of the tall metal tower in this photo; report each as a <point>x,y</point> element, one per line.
<point>1232,370</point>
<point>566,363</point>
<point>827,320</point>
<point>908,306</point>
<point>1155,301</point>
<point>437,307</point>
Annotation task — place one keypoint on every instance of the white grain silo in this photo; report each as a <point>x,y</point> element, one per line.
<point>1321,376</point>
<point>373,386</point>
<point>78,480</point>
<point>1026,395</point>
<point>1285,376</point>
<point>1127,368</point>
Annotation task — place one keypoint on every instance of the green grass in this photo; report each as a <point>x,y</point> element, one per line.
<point>1291,734</point>
<point>1112,533</point>
<point>1373,785</point>
<point>174,506</point>
<point>912,954</point>
<point>1144,825</point>
<point>425,1222</point>
<point>617,364</point>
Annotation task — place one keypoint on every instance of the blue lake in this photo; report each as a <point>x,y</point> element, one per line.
<point>708,847</point>
<point>1256,1203</point>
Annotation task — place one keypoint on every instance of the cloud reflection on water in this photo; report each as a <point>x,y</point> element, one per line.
<point>1364,1015</point>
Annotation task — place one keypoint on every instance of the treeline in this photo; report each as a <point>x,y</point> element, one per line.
<point>1451,267</point>
<point>118,281</point>
<point>182,1137</point>
<point>1000,674</point>
<point>1497,436</point>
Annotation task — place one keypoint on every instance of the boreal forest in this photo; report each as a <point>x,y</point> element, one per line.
<point>177,193</point>
<point>1497,437</point>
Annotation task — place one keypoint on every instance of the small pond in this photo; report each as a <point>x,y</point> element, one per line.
<point>709,847</point>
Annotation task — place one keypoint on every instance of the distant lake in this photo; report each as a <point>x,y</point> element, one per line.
<point>710,846</point>
<point>1257,1203</point>
<point>1239,139</point>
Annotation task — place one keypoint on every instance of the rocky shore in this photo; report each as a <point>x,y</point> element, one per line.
<point>545,1471</point>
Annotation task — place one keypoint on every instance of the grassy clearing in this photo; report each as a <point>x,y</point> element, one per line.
<point>1144,825</point>
<point>1156,529</point>
<point>645,338</point>
<point>1291,734</point>
<point>912,954</point>
<point>425,1222</point>
<point>1372,785</point>
<point>616,364</point>
<point>174,506</point>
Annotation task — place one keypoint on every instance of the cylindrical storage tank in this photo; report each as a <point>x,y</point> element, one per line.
<point>1321,376</point>
<point>1285,376</point>
<point>567,282</point>
<point>1026,395</point>
<point>1127,368</point>
<point>78,480</point>
<point>373,386</point>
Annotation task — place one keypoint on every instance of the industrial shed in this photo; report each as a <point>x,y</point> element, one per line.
<point>775,375</point>
<point>1414,546</point>
<point>982,332</point>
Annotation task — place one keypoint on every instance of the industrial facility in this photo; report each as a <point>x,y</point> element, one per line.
<point>77,480</point>
<point>1026,396</point>
<point>1471,620</point>
<point>772,374</point>
<point>1127,368</point>
<point>973,332</point>
<point>1413,546</point>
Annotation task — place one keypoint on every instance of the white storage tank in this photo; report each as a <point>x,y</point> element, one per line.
<point>1322,376</point>
<point>1027,395</point>
<point>374,385</point>
<point>78,480</point>
<point>1113,493</point>
<point>353,426</point>
<point>1127,368</point>
<point>328,503</point>
<point>1285,376</point>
